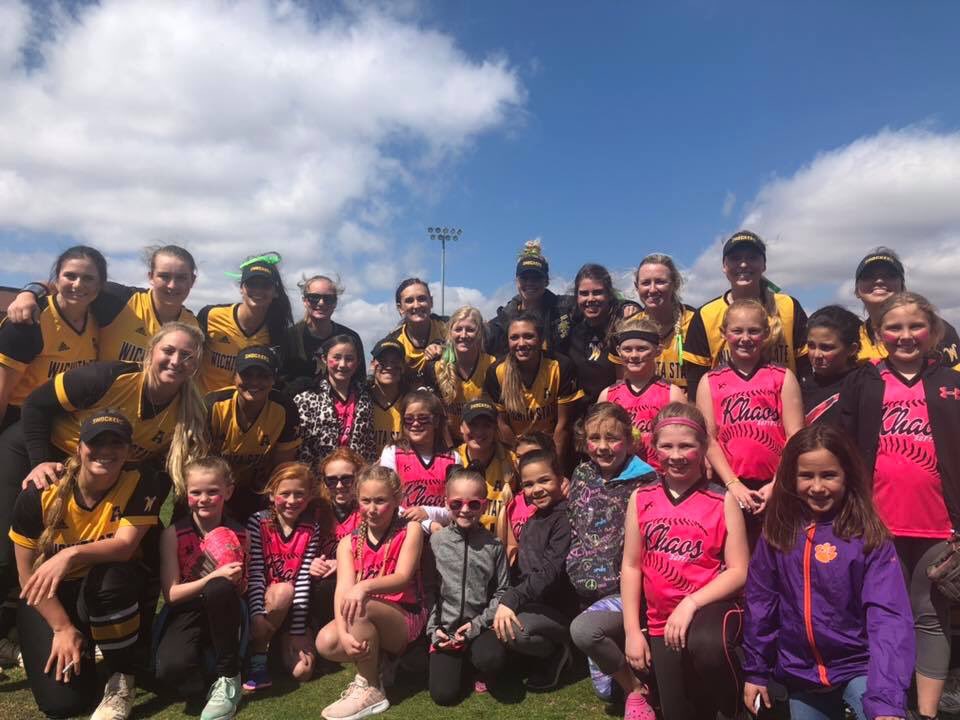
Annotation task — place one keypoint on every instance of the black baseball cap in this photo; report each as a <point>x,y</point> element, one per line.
<point>481,407</point>
<point>104,421</point>
<point>744,238</point>
<point>882,258</point>
<point>259,356</point>
<point>257,269</point>
<point>388,344</point>
<point>533,264</point>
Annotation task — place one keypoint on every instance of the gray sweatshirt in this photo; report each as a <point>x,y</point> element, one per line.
<point>472,568</point>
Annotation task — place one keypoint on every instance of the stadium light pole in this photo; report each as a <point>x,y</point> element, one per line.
<point>444,235</point>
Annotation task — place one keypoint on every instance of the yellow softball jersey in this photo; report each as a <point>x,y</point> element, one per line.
<point>413,354</point>
<point>497,473</point>
<point>128,320</point>
<point>555,384</point>
<point>225,339</point>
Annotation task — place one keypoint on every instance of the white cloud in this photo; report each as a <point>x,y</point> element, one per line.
<point>898,188</point>
<point>235,128</point>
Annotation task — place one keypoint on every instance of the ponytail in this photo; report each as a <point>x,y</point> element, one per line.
<point>445,369</point>
<point>53,517</point>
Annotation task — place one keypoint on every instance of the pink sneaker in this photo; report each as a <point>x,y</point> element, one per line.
<point>359,700</point>
<point>637,708</point>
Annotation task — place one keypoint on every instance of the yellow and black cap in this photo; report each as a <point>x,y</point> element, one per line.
<point>104,421</point>
<point>257,270</point>
<point>533,264</point>
<point>386,345</point>
<point>881,258</point>
<point>744,239</point>
<point>481,407</point>
<point>259,356</point>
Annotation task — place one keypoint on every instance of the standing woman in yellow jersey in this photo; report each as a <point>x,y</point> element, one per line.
<point>533,391</point>
<point>388,383</point>
<point>658,284</point>
<point>421,333</point>
<point>880,275</point>
<point>262,318</point>
<point>77,553</point>
<point>64,336</point>
<point>744,264</point>
<point>460,372</point>
<point>128,316</point>
<point>253,426</point>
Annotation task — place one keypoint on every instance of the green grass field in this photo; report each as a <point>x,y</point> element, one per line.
<point>287,701</point>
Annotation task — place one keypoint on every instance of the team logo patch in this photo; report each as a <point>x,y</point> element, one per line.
<point>148,502</point>
<point>63,347</point>
<point>952,392</point>
<point>141,331</point>
<point>825,553</point>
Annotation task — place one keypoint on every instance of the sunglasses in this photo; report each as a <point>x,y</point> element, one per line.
<point>472,505</point>
<point>333,480</point>
<point>410,420</point>
<point>317,298</point>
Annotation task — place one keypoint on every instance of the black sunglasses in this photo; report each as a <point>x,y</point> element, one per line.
<point>333,480</point>
<point>317,298</point>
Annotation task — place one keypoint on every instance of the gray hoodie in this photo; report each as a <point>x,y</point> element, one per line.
<point>472,568</point>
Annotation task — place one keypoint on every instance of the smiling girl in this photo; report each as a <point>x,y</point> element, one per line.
<point>263,317</point>
<point>460,372</point>
<point>64,336</point>
<point>827,612</point>
<point>338,411</point>
<point>421,333</point>
<point>904,414</point>
<point>389,382</point>
<point>832,345</point>
<point>253,427</point>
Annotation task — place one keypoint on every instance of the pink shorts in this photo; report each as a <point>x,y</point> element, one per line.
<point>415,623</point>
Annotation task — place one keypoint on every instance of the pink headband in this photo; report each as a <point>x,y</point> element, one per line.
<point>679,421</point>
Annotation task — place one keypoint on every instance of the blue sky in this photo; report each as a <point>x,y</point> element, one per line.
<point>609,130</point>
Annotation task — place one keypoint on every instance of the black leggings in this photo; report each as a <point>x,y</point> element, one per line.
<point>704,679</point>
<point>213,620</point>
<point>485,653</point>
<point>104,607</point>
<point>14,466</point>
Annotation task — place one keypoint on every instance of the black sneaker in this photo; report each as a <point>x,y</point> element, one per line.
<point>547,673</point>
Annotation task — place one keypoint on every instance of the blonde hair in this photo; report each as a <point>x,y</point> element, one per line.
<point>375,473</point>
<point>213,463</point>
<point>448,381</point>
<point>901,299</point>
<point>53,517</point>
<point>639,323</point>
<point>772,323</point>
<point>599,413</point>
<point>686,412</point>
<point>512,389</point>
<point>317,495</point>
<point>190,441</point>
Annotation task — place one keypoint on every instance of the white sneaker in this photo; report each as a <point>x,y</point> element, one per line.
<point>358,701</point>
<point>10,653</point>
<point>118,697</point>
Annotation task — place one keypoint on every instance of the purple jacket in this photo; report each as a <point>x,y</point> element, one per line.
<point>826,612</point>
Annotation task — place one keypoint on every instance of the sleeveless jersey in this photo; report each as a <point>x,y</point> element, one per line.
<point>225,339</point>
<point>469,389</point>
<point>423,483</point>
<point>643,407</point>
<point>346,526</point>
<point>191,559</point>
<point>377,560</point>
<point>497,470</point>
<point>128,320</point>
<point>84,391</point>
<point>704,344</point>
<point>41,350</point>
<point>387,424</point>
<point>748,413</point>
<point>907,487</point>
<point>555,384</point>
<point>282,556</point>
<point>132,501</point>
<point>670,361</point>
<point>682,545</point>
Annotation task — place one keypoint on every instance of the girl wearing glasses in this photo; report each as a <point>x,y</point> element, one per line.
<point>338,471</point>
<point>320,295</point>
<point>421,458</point>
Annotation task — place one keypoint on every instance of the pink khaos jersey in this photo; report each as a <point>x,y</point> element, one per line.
<point>643,407</point>
<point>283,556</point>
<point>349,524</point>
<point>748,412</point>
<point>907,488</point>
<point>377,560</point>
<point>682,545</point>
<point>423,483</point>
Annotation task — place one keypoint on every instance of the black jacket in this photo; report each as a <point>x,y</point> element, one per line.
<point>541,575</point>
<point>557,317</point>
<point>861,414</point>
<point>300,366</point>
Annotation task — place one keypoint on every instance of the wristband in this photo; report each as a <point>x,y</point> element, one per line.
<point>731,483</point>
<point>37,289</point>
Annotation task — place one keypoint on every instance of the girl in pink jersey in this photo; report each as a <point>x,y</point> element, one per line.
<point>751,407</point>
<point>421,458</point>
<point>338,471</point>
<point>284,541</point>
<point>641,393</point>
<point>685,559</point>
<point>378,605</point>
<point>204,602</point>
<point>516,511</point>
<point>904,413</point>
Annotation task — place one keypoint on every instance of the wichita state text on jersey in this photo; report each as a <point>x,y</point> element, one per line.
<point>224,340</point>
